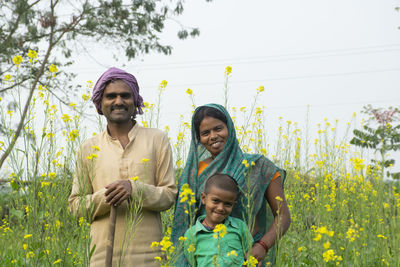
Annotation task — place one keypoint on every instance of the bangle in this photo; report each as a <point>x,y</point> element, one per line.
<point>263,245</point>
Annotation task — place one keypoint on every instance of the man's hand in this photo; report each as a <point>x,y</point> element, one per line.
<point>118,191</point>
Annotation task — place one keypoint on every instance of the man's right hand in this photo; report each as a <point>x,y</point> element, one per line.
<point>117,192</point>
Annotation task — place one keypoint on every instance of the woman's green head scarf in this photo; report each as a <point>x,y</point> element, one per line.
<point>230,161</point>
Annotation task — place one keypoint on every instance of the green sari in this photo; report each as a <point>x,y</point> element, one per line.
<point>254,179</point>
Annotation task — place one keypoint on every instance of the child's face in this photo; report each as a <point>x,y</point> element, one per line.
<point>218,203</point>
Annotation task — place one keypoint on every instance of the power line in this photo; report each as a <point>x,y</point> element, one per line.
<point>272,58</point>
<point>319,105</point>
<point>335,104</point>
<point>282,78</point>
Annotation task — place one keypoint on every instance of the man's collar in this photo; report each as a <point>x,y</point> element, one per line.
<point>131,134</point>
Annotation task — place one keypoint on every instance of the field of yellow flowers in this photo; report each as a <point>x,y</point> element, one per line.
<point>343,212</point>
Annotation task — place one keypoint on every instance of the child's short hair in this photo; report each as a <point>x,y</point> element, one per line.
<point>222,181</point>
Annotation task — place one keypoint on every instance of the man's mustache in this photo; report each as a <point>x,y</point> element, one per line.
<point>119,107</point>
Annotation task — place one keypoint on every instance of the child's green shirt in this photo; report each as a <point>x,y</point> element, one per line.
<point>201,246</point>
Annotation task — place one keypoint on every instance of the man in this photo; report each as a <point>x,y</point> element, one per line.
<point>125,162</point>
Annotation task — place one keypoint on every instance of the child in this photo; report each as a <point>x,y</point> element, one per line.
<point>203,246</point>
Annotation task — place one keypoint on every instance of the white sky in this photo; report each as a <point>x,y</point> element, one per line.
<point>335,56</point>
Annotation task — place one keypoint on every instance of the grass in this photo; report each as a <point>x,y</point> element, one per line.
<point>343,212</point>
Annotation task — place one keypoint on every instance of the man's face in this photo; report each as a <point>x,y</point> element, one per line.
<point>117,103</point>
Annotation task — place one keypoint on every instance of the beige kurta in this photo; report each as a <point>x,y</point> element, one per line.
<point>156,182</point>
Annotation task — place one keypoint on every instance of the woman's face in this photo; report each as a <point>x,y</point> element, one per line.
<point>213,135</point>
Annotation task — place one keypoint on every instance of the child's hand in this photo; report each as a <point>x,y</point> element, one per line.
<point>259,253</point>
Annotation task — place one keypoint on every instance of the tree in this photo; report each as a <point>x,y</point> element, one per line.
<point>383,138</point>
<point>131,25</point>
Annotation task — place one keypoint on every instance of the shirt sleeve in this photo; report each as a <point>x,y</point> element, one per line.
<point>189,255</point>
<point>160,196</point>
<point>247,237</point>
<point>83,202</point>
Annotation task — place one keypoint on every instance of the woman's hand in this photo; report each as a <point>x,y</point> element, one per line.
<point>276,199</point>
<point>258,252</point>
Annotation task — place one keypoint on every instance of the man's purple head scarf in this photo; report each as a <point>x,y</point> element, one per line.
<point>116,74</point>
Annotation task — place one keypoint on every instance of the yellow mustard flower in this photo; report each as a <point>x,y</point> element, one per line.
<point>329,255</point>
<point>92,156</point>
<point>73,135</point>
<point>17,60</point>
<point>244,162</point>
<point>327,245</point>
<point>8,77</point>
<point>352,234</point>
<point>251,262</point>
<point>89,84</point>
<point>162,85</point>
<point>260,89</point>
<point>32,54</point>
<point>165,243</point>
<point>43,184</point>
<point>85,97</point>
<point>144,160</point>
<point>30,254</point>
<point>66,118</point>
<point>191,248</point>
<point>219,230</point>
<point>317,237</point>
<point>187,195</point>
<point>357,163</point>
<point>53,68</point>
<point>232,253</point>
<point>228,70</point>
<point>189,91</point>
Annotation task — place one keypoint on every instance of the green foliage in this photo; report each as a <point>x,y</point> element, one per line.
<point>383,138</point>
<point>133,25</point>
<point>342,211</point>
<point>56,26</point>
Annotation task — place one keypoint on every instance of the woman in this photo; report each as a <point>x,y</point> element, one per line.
<point>215,149</point>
